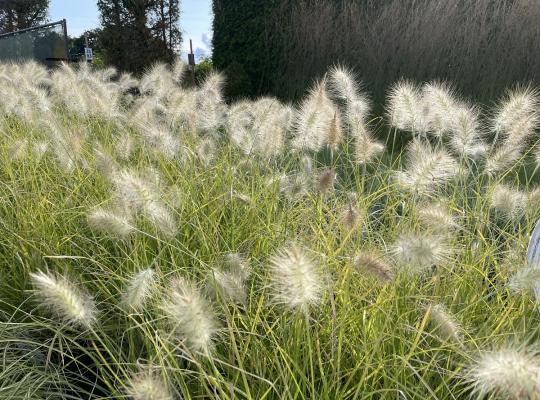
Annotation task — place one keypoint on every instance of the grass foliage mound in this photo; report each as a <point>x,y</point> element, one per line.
<point>158,243</point>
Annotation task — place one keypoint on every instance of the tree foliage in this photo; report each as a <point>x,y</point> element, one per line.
<point>136,33</point>
<point>21,14</point>
<point>243,45</point>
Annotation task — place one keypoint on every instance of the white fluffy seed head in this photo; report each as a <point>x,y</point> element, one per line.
<point>206,151</point>
<point>426,169</point>
<point>295,187</point>
<point>148,386</point>
<point>437,218</point>
<point>315,120</point>
<point>508,202</point>
<point>229,281</point>
<point>111,223</point>
<point>191,316</point>
<point>508,373</point>
<point>373,264</point>
<point>404,106</point>
<point>367,148</point>
<point>64,299</point>
<point>342,84</point>
<point>139,289</point>
<point>326,180</point>
<point>162,218</point>
<point>350,217</point>
<point>438,102</point>
<point>524,279</point>
<point>444,322</point>
<point>466,131</point>
<point>134,191</point>
<point>517,115</point>
<point>295,281</point>
<point>503,158</point>
<point>418,252</point>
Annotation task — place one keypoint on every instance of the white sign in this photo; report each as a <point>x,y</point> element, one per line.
<point>88,54</point>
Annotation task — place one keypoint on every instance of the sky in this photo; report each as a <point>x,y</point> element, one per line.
<point>195,21</point>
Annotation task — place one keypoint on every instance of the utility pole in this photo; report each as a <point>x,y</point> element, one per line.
<point>191,62</point>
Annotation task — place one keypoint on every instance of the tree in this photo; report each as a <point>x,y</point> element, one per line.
<point>136,33</point>
<point>247,43</point>
<point>21,14</point>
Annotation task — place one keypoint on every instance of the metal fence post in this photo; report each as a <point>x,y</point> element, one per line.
<point>64,25</point>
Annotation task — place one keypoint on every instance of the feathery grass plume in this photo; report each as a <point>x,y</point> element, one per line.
<point>342,85</point>
<point>127,82</point>
<point>345,89</point>
<point>439,101</point>
<point>110,222</point>
<point>146,385</point>
<point>416,252</point>
<point>508,202</point>
<point>295,281</point>
<point>326,180</point>
<point>240,124</point>
<point>230,280</point>
<point>516,117</point>
<point>124,146</point>
<point>139,289</point>
<point>156,80</point>
<point>64,299</point>
<point>206,151</point>
<point>466,131</point>
<point>142,196</point>
<point>18,149</point>
<point>242,198</point>
<point>259,127</point>
<point>404,107</point>
<point>179,69</point>
<point>295,186</point>
<point>105,163</point>
<point>334,135</point>
<point>39,149</point>
<point>503,158</point>
<point>351,217</point>
<point>367,148</point>
<point>437,218</point>
<point>210,107</point>
<point>161,139</point>
<point>191,316</point>
<point>524,279</point>
<point>509,373</point>
<point>446,323</point>
<point>426,169</point>
<point>133,191</point>
<point>162,218</point>
<point>373,264</point>
<point>314,120</point>
<point>270,124</point>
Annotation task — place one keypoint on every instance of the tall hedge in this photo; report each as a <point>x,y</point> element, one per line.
<point>243,45</point>
<point>279,47</point>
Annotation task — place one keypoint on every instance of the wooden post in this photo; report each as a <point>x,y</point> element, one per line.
<point>191,62</point>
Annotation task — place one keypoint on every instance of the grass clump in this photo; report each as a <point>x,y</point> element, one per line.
<point>165,245</point>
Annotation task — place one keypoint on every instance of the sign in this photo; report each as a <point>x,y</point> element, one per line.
<point>88,54</point>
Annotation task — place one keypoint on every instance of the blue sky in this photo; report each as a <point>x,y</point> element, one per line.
<point>196,20</point>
